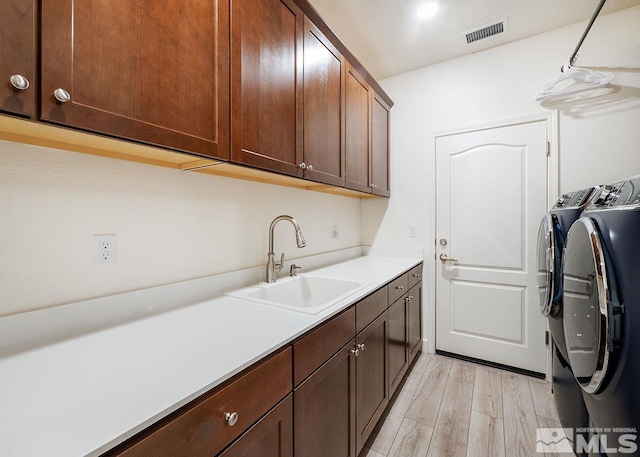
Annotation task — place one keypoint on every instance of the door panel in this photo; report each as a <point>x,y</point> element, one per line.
<point>18,55</point>
<point>491,194</point>
<point>266,84</point>
<point>324,73</point>
<point>155,72</point>
<point>472,191</point>
<point>357,131</point>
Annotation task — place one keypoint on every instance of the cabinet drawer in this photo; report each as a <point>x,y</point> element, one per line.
<point>415,276</point>
<point>315,348</point>
<point>371,307</point>
<point>398,287</point>
<point>200,429</point>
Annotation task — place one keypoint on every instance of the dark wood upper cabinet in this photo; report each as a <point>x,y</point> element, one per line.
<point>358,135</point>
<point>324,81</point>
<point>266,84</point>
<point>379,146</point>
<point>18,57</point>
<point>154,72</point>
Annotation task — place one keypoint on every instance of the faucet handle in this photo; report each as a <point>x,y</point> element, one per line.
<point>293,269</point>
<point>280,265</point>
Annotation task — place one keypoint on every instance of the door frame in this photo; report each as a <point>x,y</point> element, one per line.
<point>430,263</point>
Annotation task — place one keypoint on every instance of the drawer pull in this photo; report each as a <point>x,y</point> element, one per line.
<point>61,95</point>
<point>399,287</point>
<point>19,82</point>
<point>231,418</point>
<point>360,346</point>
<point>415,275</point>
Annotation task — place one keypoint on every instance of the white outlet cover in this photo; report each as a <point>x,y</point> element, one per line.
<point>104,248</point>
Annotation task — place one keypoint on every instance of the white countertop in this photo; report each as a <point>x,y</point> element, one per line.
<point>82,395</point>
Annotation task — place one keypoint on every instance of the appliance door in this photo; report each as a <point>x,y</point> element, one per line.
<point>587,318</point>
<point>548,276</point>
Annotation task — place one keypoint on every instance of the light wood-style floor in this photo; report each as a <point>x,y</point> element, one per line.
<point>452,408</point>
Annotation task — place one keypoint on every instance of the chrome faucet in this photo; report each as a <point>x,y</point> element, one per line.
<point>273,267</point>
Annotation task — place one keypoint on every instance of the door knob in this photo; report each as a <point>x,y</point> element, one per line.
<point>444,258</point>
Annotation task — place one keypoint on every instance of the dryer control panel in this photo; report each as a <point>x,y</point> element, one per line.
<point>576,199</point>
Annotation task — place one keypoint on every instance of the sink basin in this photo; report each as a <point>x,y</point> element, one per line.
<point>304,293</point>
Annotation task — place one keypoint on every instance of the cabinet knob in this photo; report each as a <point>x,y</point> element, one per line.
<point>19,82</point>
<point>410,297</point>
<point>309,167</point>
<point>61,95</point>
<point>399,287</point>
<point>415,275</point>
<point>360,346</point>
<point>231,418</point>
<point>407,299</point>
<point>302,165</point>
<point>355,352</point>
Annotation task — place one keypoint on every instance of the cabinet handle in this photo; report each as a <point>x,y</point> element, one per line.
<point>360,346</point>
<point>231,418</point>
<point>355,352</point>
<point>310,167</point>
<point>302,165</point>
<point>61,95</point>
<point>19,82</point>
<point>415,275</point>
<point>399,287</point>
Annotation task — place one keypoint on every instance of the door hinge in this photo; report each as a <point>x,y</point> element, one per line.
<point>546,338</point>
<point>548,148</point>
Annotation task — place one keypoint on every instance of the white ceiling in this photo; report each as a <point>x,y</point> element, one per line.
<point>387,37</point>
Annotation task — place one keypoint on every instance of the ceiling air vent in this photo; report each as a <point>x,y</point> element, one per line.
<point>486,31</point>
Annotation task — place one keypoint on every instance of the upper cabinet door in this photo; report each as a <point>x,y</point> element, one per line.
<point>379,146</point>
<point>146,70</point>
<point>18,57</point>
<point>266,84</point>
<point>358,135</point>
<point>324,82</point>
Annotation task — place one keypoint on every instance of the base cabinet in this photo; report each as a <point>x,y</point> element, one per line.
<point>272,436</point>
<point>372,388</point>
<point>398,342</point>
<point>324,409</point>
<point>320,396</point>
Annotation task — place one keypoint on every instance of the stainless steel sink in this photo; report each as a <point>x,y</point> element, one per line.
<point>305,293</point>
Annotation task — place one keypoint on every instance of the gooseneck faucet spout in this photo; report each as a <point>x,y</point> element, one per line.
<point>272,267</point>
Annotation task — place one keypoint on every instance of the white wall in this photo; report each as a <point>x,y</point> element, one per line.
<point>599,139</point>
<point>170,225</point>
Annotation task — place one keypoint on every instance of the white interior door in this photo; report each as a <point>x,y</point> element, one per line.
<point>491,193</point>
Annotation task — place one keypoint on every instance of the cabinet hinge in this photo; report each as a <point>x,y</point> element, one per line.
<point>546,338</point>
<point>548,148</point>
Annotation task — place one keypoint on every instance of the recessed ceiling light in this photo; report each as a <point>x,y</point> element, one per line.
<point>427,10</point>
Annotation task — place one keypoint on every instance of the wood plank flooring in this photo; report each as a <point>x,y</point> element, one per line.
<point>451,408</point>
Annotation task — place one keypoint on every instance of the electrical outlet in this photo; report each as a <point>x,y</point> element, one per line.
<point>334,232</point>
<point>104,249</point>
<point>413,231</point>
